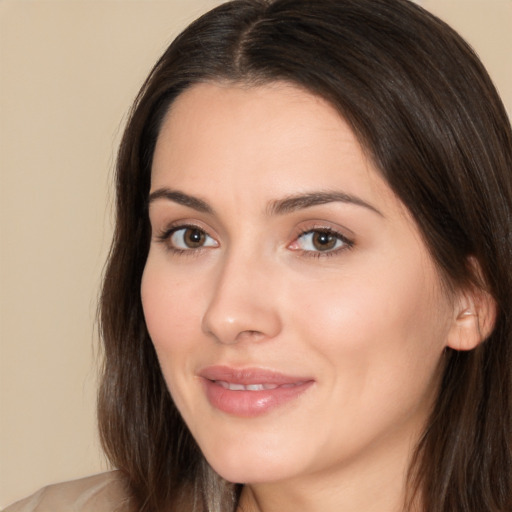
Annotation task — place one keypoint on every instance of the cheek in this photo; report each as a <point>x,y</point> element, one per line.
<point>380,347</point>
<point>171,309</point>
<point>389,325</point>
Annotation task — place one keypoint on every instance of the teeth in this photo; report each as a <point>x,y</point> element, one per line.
<point>250,387</point>
<point>236,387</point>
<point>254,387</point>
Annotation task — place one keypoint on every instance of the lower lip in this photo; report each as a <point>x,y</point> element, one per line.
<point>251,403</point>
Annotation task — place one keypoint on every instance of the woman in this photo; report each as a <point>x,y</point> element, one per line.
<point>306,305</point>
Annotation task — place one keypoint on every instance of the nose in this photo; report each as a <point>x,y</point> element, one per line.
<point>244,303</point>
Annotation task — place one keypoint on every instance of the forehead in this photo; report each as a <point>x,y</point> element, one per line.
<point>265,138</point>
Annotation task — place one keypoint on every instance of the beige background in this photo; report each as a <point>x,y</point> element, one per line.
<point>69,70</point>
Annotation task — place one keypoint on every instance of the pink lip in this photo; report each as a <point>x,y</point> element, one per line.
<point>269,389</point>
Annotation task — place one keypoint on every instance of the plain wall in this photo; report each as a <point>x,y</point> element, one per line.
<point>69,70</point>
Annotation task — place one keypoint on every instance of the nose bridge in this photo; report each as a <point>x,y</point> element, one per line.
<point>242,304</point>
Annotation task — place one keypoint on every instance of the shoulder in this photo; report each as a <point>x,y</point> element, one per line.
<point>105,492</point>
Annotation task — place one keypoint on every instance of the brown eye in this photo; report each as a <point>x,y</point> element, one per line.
<point>321,241</point>
<point>193,238</point>
<point>324,241</point>
<point>189,237</point>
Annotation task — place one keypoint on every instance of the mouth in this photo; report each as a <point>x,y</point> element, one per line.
<point>232,386</point>
<point>250,392</point>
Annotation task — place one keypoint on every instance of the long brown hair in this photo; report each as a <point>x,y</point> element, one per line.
<point>426,112</point>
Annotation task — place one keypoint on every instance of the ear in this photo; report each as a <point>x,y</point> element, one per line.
<point>475,313</point>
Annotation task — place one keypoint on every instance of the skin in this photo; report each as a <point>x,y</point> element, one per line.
<point>367,321</point>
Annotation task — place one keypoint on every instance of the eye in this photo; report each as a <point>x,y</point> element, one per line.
<point>321,240</point>
<point>186,238</point>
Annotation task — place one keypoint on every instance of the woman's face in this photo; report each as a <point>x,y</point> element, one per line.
<point>297,316</point>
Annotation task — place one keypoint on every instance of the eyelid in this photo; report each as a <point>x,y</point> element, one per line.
<point>320,227</point>
<point>162,227</point>
<point>164,236</point>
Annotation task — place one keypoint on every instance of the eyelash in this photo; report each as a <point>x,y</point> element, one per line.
<point>165,236</point>
<point>347,243</point>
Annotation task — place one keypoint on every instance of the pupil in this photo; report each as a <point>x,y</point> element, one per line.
<point>323,241</point>
<point>194,238</point>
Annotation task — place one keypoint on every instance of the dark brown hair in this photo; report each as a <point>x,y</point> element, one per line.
<point>425,110</point>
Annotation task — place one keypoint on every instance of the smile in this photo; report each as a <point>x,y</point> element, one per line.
<point>250,392</point>
<point>253,387</point>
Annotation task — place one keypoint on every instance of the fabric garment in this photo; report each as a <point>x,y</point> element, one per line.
<point>99,493</point>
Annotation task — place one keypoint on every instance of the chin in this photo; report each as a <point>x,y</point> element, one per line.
<point>256,465</point>
<point>250,473</point>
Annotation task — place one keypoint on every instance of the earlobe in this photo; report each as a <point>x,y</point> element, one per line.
<point>474,319</point>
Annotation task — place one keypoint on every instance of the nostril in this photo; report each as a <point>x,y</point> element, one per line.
<point>251,333</point>
<point>248,335</point>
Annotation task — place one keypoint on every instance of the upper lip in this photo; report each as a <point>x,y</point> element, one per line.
<point>248,376</point>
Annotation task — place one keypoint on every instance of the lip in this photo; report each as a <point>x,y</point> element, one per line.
<point>224,388</point>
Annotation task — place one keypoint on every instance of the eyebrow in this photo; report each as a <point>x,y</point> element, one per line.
<point>301,201</point>
<point>277,207</point>
<point>181,198</point>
